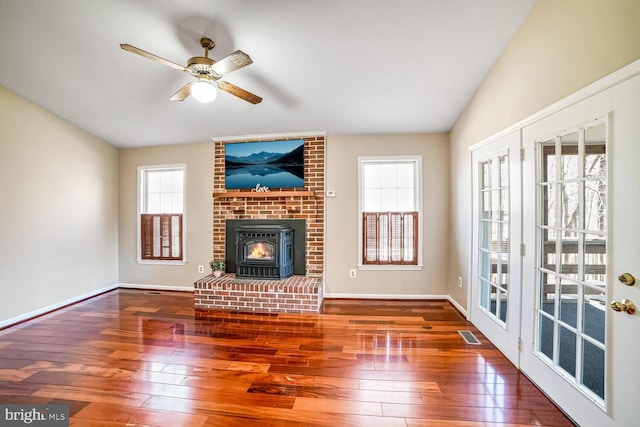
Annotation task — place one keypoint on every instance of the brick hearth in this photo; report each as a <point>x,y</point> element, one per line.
<point>296,294</point>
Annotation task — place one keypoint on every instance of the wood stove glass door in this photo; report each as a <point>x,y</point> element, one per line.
<point>259,251</point>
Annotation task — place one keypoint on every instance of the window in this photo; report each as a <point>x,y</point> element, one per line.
<point>390,211</point>
<point>161,208</point>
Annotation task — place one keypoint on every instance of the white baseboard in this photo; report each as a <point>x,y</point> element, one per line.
<point>155,287</point>
<point>460,308</point>
<point>56,306</point>
<point>383,296</point>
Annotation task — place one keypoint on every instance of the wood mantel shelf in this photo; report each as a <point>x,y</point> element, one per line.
<point>261,194</point>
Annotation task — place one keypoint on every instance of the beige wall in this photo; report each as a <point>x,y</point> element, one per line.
<point>561,47</point>
<point>198,212</point>
<point>342,216</point>
<point>59,216</point>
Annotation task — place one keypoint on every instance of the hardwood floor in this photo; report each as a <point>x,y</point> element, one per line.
<point>130,358</point>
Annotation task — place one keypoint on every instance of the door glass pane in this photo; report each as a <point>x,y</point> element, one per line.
<point>593,372</point>
<point>572,229</point>
<point>503,172</point>
<point>548,290</point>
<point>549,260</point>
<point>495,205</point>
<point>594,305</point>
<point>548,161</point>
<point>494,300</point>
<point>567,350</point>
<point>494,268</point>
<point>549,205</point>
<point>545,340</point>
<point>486,174</point>
<point>503,280</point>
<point>569,156</point>
<point>595,259</point>
<point>595,159</point>
<point>569,200</point>
<point>569,258</point>
<point>486,205</point>
<point>595,202</point>
<point>503,306</point>
<point>484,294</point>
<point>568,302</point>
<point>494,235</point>
<point>504,205</point>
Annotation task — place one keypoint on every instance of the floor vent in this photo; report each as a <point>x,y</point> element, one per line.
<point>469,338</point>
<point>153,293</point>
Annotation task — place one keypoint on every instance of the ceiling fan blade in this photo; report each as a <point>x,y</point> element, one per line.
<point>232,62</point>
<point>182,94</point>
<point>151,56</point>
<point>240,93</point>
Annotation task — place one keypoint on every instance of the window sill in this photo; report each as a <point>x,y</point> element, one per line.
<point>160,262</point>
<point>392,267</point>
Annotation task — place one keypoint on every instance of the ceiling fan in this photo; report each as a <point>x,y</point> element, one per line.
<point>207,71</point>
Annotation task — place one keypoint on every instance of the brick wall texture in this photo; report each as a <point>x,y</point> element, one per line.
<point>310,208</point>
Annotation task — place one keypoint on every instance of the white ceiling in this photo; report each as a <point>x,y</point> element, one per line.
<point>340,66</point>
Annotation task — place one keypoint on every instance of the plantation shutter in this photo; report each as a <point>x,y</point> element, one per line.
<point>390,238</point>
<point>161,236</point>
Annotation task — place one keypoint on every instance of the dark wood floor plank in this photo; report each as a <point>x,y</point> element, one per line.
<point>131,357</point>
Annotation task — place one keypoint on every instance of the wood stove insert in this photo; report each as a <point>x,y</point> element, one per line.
<point>264,251</point>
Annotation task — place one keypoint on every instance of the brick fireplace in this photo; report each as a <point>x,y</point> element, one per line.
<point>298,293</point>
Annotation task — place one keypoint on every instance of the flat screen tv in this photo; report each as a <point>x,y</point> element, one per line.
<point>273,164</point>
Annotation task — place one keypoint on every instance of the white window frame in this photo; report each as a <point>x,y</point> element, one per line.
<point>140,204</point>
<point>418,198</point>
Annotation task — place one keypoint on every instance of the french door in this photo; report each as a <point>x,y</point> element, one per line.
<point>495,277</point>
<point>581,231</point>
<point>556,248</point>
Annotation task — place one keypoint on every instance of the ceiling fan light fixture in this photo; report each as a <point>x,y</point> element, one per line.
<point>203,91</point>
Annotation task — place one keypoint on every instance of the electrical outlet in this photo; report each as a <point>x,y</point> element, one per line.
<point>201,269</point>
<point>460,281</point>
<point>352,273</point>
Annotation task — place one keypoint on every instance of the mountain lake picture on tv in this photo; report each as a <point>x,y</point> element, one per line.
<point>273,164</point>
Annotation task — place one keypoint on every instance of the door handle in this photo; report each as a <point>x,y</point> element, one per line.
<point>627,279</point>
<point>624,305</point>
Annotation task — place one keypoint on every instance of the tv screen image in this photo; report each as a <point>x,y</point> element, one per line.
<point>273,164</point>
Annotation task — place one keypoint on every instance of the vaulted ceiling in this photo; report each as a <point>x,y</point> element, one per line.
<point>340,66</point>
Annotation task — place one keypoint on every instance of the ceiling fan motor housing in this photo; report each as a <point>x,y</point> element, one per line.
<point>199,66</point>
